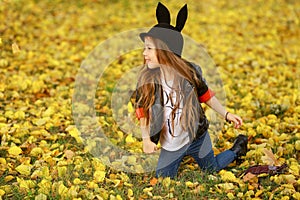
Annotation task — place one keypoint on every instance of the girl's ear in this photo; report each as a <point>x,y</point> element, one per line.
<point>181,18</point>
<point>162,14</point>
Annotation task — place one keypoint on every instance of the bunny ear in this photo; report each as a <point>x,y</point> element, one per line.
<point>181,18</point>
<point>162,14</point>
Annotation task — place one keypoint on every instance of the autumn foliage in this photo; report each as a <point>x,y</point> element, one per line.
<point>255,48</point>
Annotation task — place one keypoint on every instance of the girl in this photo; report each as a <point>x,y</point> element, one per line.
<point>168,102</point>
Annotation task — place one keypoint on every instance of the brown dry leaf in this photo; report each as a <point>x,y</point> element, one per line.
<point>269,158</point>
<point>153,181</point>
<point>28,147</point>
<point>249,176</point>
<point>69,154</point>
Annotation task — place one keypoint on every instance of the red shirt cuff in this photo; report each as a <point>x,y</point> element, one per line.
<point>139,113</point>
<point>206,96</point>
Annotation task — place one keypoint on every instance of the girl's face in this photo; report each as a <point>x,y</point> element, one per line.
<point>150,54</point>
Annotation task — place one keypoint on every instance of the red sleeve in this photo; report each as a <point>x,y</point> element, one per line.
<point>206,96</point>
<point>139,113</point>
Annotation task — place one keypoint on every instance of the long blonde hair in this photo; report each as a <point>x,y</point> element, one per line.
<point>183,72</point>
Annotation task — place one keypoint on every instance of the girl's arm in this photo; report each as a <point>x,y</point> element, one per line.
<point>214,103</point>
<point>148,145</point>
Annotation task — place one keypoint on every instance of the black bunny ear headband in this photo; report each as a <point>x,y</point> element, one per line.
<point>165,31</point>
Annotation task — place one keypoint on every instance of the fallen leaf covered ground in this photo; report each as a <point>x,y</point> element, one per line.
<point>254,45</point>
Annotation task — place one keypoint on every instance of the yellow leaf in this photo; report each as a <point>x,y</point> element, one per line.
<point>297,145</point>
<point>26,184</point>
<point>62,170</point>
<point>228,176</point>
<point>99,176</point>
<point>230,195</point>
<point>92,185</point>
<point>249,193</point>
<point>40,196</point>
<point>7,188</point>
<point>62,189</point>
<point>123,177</point>
<point>44,186</point>
<point>74,133</point>
<point>120,134</point>
<point>41,122</point>
<point>139,168</point>
<point>36,151</point>
<point>2,161</point>
<point>81,108</point>
<point>282,137</point>
<point>128,184</point>
<point>9,114</point>
<point>103,193</point>
<point>129,192</point>
<point>37,86</point>
<point>8,178</point>
<point>118,197</point>
<point>98,165</point>
<point>130,107</point>
<point>45,173</point>
<point>49,112</point>
<point>131,160</point>
<point>77,181</point>
<point>189,184</point>
<point>15,48</point>
<point>14,150</point>
<point>2,192</point>
<point>129,139</point>
<point>166,182</point>
<point>289,178</point>
<point>240,195</point>
<point>148,189</point>
<point>258,193</point>
<point>117,182</point>
<point>72,192</point>
<point>24,169</point>
<point>19,115</point>
<point>296,195</point>
<point>269,158</point>
<point>86,194</point>
<point>294,169</point>
<point>226,186</point>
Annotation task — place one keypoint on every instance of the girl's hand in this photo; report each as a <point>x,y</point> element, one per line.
<point>235,119</point>
<point>149,146</point>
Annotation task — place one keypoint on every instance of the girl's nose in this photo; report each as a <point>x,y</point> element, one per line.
<point>145,52</point>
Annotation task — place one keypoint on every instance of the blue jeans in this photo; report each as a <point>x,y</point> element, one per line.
<point>200,150</point>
